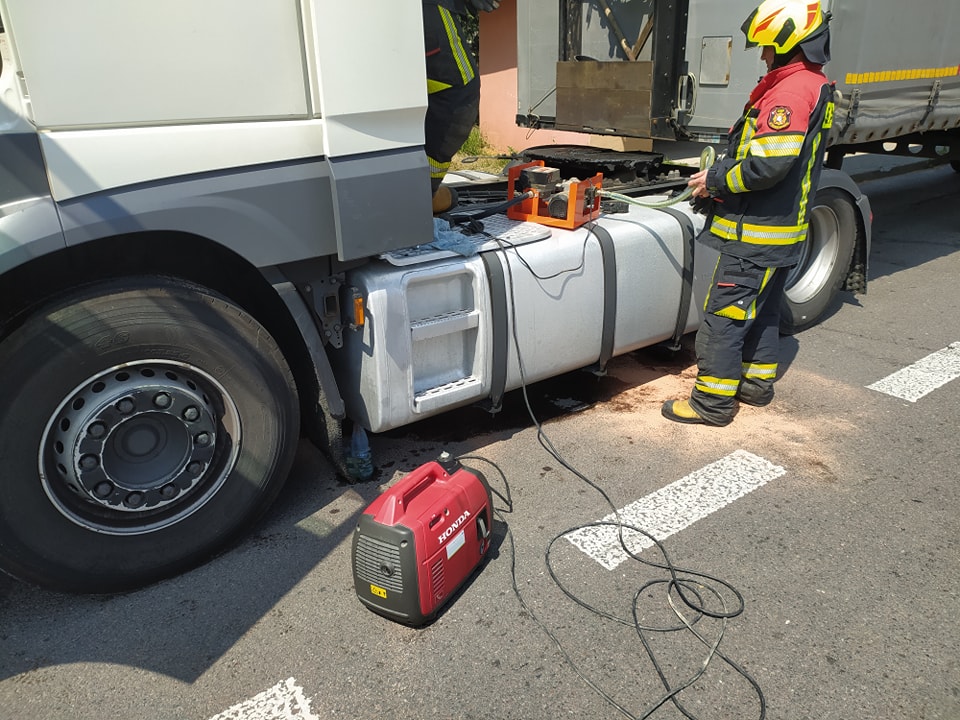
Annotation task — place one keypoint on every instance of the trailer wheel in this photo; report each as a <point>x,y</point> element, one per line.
<point>813,283</point>
<point>143,424</point>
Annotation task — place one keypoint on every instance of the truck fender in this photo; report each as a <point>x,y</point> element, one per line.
<point>830,178</point>
<point>331,408</point>
<point>29,228</point>
<point>834,255</point>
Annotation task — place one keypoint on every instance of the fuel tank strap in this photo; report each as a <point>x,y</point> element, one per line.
<point>608,254</point>
<point>499,326</point>
<point>686,291</point>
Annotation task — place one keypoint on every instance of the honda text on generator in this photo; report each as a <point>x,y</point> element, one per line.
<point>200,260</point>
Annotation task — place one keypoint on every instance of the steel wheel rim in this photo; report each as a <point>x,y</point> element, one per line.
<point>819,259</point>
<point>139,447</point>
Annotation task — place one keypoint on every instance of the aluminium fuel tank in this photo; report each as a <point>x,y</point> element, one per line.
<point>445,330</point>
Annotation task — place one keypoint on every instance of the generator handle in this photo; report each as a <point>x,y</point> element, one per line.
<point>408,488</point>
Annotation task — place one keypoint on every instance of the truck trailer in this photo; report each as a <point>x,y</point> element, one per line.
<point>216,237</point>
<point>674,72</point>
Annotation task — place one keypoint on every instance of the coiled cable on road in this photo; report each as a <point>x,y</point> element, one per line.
<point>694,588</point>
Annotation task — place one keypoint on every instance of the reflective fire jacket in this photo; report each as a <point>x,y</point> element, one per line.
<point>764,184</point>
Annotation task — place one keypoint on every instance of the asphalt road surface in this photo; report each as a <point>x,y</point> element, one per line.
<point>833,513</point>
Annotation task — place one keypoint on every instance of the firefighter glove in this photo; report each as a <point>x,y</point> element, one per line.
<point>701,205</point>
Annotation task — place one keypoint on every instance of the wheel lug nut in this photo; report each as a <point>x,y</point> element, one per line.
<point>194,468</point>
<point>126,406</point>
<point>103,490</point>
<point>89,462</point>
<point>191,413</point>
<point>162,400</point>
<point>97,430</point>
<point>134,499</point>
<point>168,491</point>
<point>202,439</point>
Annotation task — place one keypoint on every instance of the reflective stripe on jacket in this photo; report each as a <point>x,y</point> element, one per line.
<point>765,182</point>
<point>455,6</point>
<point>449,60</point>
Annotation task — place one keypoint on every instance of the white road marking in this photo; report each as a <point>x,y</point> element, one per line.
<point>677,506</point>
<point>284,701</point>
<point>924,376</point>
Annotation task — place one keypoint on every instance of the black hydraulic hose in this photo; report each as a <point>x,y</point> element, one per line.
<point>467,219</point>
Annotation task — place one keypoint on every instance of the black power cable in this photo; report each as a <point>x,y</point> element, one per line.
<point>471,221</point>
<point>680,582</point>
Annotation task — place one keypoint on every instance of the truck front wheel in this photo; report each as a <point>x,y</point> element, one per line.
<point>143,425</point>
<point>813,283</point>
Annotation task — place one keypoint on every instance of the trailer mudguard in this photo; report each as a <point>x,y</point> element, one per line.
<point>830,178</point>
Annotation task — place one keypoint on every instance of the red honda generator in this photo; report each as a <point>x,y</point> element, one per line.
<point>420,540</point>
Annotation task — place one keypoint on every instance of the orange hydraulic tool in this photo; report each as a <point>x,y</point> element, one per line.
<point>559,203</point>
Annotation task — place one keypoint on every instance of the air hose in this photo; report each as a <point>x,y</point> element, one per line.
<point>707,158</point>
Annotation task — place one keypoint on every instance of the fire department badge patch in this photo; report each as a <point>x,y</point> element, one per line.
<point>779,118</point>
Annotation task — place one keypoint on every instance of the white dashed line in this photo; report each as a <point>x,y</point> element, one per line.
<point>677,506</point>
<point>284,701</point>
<point>924,376</point>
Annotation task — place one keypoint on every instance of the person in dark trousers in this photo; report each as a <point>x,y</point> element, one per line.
<point>757,198</point>
<point>453,88</point>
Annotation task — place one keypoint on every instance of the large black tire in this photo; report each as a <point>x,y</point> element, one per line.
<point>813,283</point>
<point>143,424</point>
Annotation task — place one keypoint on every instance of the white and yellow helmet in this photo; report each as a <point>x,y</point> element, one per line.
<point>784,24</point>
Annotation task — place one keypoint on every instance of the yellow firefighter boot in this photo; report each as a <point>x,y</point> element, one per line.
<point>444,199</point>
<point>682,412</point>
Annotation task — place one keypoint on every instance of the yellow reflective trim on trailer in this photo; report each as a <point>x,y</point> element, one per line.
<point>905,74</point>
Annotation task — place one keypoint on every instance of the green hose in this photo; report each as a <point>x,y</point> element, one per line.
<point>707,158</point>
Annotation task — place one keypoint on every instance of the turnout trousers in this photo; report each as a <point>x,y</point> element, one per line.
<point>453,89</point>
<point>738,343</point>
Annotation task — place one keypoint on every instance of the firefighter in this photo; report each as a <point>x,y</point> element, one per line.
<point>757,198</point>
<point>453,88</point>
